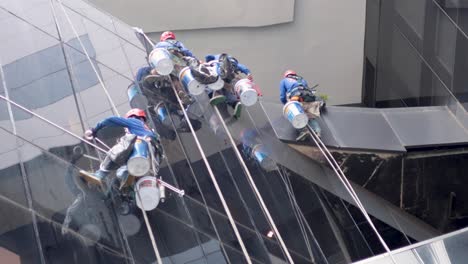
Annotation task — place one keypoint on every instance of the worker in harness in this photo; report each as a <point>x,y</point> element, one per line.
<point>178,50</point>
<point>134,123</point>
<point>163,93</point>
<point>147,77</point>
<point>230,66</point>
<point>227,68</point>
<point>168,41</point>
<point>295,88</point>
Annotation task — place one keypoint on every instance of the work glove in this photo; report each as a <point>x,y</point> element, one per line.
<point>90,134</point>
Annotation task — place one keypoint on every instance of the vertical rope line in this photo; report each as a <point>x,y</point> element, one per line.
<point>254,187</point>
<point>336,168</point>
<point>213,179</point>
<point>89,59</point>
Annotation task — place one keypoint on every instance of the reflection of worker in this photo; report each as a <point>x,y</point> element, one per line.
<point>295,88</point>
<point>168,41</point>
<point>134,123</point>
<point>255,150</point>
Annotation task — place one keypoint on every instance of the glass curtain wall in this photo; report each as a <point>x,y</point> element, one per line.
<point>72,64</point>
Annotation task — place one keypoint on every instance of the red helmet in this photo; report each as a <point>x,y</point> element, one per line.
<point>136,112</point>
<point>167,35</point>
<point>289,72</point>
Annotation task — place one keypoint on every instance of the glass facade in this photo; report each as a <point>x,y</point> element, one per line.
<point>450,248</point>
<point>72,64</point>
<point>415,54</point>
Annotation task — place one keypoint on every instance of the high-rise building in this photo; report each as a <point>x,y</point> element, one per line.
<point>65,65</point>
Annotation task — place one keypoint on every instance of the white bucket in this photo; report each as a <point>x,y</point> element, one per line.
<point>192,85</point>
<point>138,166</point>
<point>147,190</point>
<point>245,91</point>
<point>160,60</point>
<point>218,85</point>
<point>295,114</point>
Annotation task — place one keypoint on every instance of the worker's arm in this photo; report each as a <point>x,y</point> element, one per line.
<point>114,121</point>
<point>242,68</point>
<point>184,50</point>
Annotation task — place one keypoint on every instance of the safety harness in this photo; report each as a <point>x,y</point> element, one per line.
<point>302,92</point>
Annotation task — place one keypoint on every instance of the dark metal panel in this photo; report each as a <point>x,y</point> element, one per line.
<point>342,127</point>
<point>426,126</point>
<point>361,128</point>
<point>284,130</point>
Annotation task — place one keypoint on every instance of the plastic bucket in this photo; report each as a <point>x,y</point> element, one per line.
<point>160,60</point>
<point>259,152</point>
<point>192,85</point>
<point>136,97</point>
<point>218,85</point>
<point>147,196</point>
<point>139,163</point>
<point>295,114</point>
<point>245,91</point>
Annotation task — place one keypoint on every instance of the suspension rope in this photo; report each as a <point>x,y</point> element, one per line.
<point>150,229</point>
<point>300,217</point>
<point>102,143</point>
<point>337,169</point>
<point>254,187</point>
<point>89,59</point>
<point>213,178</point>
<point>148,226</point>
<point>184,151</point>
<point>86,142</point>
<point>51,123</point>
<point>302,221</point>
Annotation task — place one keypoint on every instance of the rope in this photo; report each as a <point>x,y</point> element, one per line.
<point>89,143</point>
<point>89,59</point>
<point>255,189</point>
<point>300,217</point>
<point>336,168</point>
<point>51,123</point>
<point>150,230</point>
<point>302,222</point>
<point>148,226</point>
<point>213,179</point>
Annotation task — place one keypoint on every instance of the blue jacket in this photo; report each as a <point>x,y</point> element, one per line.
<point>174,44</point>
<point>238,66</point>
<point>288,84</point>
<point>134,126</point>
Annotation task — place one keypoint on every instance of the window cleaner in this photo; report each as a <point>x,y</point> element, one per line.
<point>302,105</point>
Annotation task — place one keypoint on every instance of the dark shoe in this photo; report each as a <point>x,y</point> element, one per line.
<point>191,61</point>
<point>185,128</point>
<point>225,64</point>
<point>302,135</point>
<point>237,110</point>
<point>217,99</point>
<point>150,80</point>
